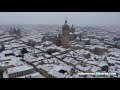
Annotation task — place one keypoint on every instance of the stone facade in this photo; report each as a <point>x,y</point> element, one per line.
<point>22,73</point>
<point>64,38</point>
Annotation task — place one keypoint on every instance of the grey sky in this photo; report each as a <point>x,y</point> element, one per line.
<point>77,18</point>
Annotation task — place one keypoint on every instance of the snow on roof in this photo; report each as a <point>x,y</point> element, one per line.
<point>76,33</point>
<point>77,38</point>
<point>60,48</point>
<point>83,51</point>
<point>25,39</point>
<point>65,66</point>
<point>15,45</point>
<point>115,53</point>
<point>29,56</point>
<point>36,63</point>
<point>50,47</point>
<point>116,65</point>
<point>118,71</point>
<point>56,53</point>
<point>4,39</point>
<point>112,69</point>
<point>11,59</point>
<point>37,51</point>
<point>47,55</point>
<point>100,47</point>
<point>39,46</point>
<point>19,69</point>
<point>4,36</point>
<point>52,59</point>
<point>33,75</point>
<point>56,72</point>
<point>61,70</point>
<point>35,59</point>
<point>102,63</point>
<point>45,67</point>
<point>5,64</point>
<point>96,46</point>
<point>47,42</point>
<point>86,39</point>
<point>5,58</point>
<point>94,69</point>
<point>41,57</point>
<point>78,45</point>
<point>16,61</point>
<point>95,41</point>
<point>91,35</point>
<point>16,52</point>
<point>93,62</point>
<point>118,61</point>
<point>83,68</point>
<point>75,62</point>
<point>7,51</point>
<point>59,56</point>
<point>111,60</point>
<point>71,33</point>
<point>68,59</point>
<point>98,37</point>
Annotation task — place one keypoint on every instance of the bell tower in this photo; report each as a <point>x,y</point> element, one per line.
<point>65,35</point>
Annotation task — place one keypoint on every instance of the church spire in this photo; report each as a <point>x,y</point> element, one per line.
<point>72,25</point>
<point>65,19</point>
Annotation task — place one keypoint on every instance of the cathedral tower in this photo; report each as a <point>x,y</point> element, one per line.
<point>65,35</point>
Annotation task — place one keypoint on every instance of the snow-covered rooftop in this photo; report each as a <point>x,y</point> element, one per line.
<point>45,67</point>
<point>33,75</point>
<point>56,72</point>
<point>83,68</point>
<point>4,64</point>
<point>5,59</point>
<point>103,63</point>
<point>19,69</point>
<point>7,51</point>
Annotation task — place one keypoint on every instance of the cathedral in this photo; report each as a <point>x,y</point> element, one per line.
<point>64,38</point>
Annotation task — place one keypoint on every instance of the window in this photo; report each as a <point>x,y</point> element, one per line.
<point>19,74</point>
<point>23,72</point>
<point>28,71</point>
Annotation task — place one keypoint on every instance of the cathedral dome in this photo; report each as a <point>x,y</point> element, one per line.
<point>65,26</point>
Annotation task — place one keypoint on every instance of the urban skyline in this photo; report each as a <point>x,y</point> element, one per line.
<point>76,18</point>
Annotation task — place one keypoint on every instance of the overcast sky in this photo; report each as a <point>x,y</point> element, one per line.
<point>76,18</point>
